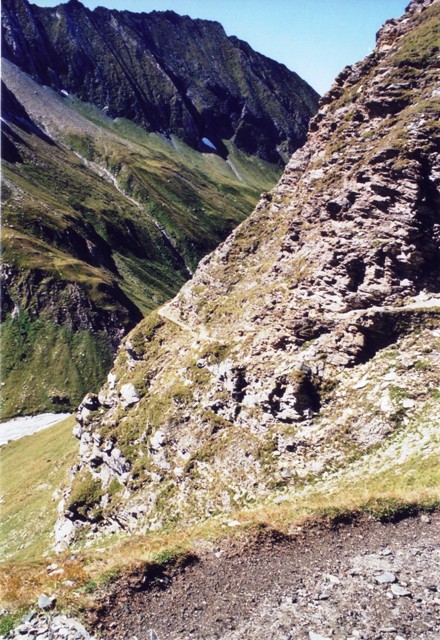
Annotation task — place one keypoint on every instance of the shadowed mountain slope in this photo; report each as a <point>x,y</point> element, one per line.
<point>169,73</point>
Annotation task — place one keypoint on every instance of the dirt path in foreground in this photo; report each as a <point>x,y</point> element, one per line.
<point>365,580</point>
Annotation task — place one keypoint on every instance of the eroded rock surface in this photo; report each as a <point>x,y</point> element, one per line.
<point>308,344</point>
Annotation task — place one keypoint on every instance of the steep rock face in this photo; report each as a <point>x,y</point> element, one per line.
<point>305,342</point>
<point>169,73</point>
<point>103,221</point>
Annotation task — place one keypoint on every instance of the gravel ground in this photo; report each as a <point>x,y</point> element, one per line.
<point>358,581</point>
<point>19,427</point>
<point>365,580</point>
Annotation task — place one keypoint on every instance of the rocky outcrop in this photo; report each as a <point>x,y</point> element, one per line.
<point>310,337</point>
<point>56,627</point>
<point>103,219</point>
<point>69,304</point>
<point>167,72</point>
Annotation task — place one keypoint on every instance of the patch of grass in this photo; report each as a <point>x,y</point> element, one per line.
<point>109,576</point>
<point>90,586</point>
<point>144,333</point>
<point>85,495</point>
<point>114,487</point>
<point>420,46</point>
<point>396,393</point>
<point>168,556</point>
<point>390,509</point>
<point>8,621</point>
<point>422,365</point>
<point>28,511</point>
<point>22,583</point>
<point>38,378</point>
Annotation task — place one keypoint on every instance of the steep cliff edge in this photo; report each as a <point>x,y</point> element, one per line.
<point>306,346</point>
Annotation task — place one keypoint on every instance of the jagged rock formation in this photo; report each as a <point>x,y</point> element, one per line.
<point>167,72</point>
<point>104,222</point>
<point>305,342</point>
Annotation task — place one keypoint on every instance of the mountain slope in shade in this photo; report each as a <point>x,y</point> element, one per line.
<point>307,345</point>
<point>169,73</point>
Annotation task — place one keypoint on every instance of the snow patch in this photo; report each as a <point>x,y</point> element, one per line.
<point>209,144</point>
<point>19,427</point>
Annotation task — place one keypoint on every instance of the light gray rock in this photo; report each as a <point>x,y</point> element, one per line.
<point>317,636</point>
<point>129,394</point>
<point>77,431</point>
<point>157,439</point>
<point>28,617</point>
<point>385,578</point>
<point>46,602</point>
<point>111,379</point>
<point>64,531</point>
<point>43,627</point>
<point>400,591</point>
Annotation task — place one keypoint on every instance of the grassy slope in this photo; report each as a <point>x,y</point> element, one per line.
<point>49,378</point>
<point>53,205</point>
<point>196,197</point>
<point>28,511</point>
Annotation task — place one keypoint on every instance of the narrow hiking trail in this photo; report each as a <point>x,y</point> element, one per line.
<point>201,335</point>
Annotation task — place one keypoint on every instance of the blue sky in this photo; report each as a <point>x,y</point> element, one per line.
<point>315,38</point>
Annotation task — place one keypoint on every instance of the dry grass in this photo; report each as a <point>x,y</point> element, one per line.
<point>412,486</point>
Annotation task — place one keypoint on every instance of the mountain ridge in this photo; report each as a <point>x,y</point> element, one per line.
<point>163,81</point>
